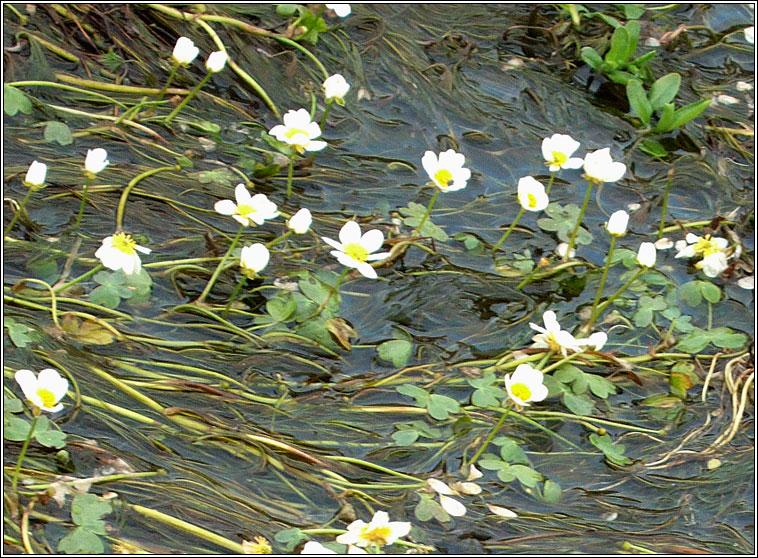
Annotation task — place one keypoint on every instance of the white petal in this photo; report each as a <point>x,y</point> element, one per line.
<point>333,243</point>
<point>225,207</point>
<point>347,261</point>
<point>372,240</point>
<point>313,547</point>
<point>241,194</point>
<point>27,381</point>
<point>502,512</point>
<point>453,507</point>
<point>378,256</point>
<point>551,322</point>
<point>315,145</point>
<point>350,233</point>
<point>439,487</point>
<point>366,270</point>
<point>574,163</point>
<point>429,162</point>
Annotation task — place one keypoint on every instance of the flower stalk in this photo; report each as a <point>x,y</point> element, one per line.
<point>216,273</point>
<point>491,436</point>
<point>509,231</point>
<point>428,212</point>
<point>189,97</point>
<point>21,456</point>
<point>595,312</point>
<point>572,238</point>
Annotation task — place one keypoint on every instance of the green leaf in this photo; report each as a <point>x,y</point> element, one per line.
<point>642,59</point>
<point>526,475</point>
<point>427,508</point>
<point>487,397</point>
<point>489,462</point>
<point>681,379</point>
<point>694,342</point>
<point>47,433</point>
<point>290,538</point>
<point>600,386</point>
<point>690,293</point>
<point>506,473</point>
<point>580,405</point>
<point>281,309</point>
<point>690,112</point>
<point>85,331</point>
<point>81,541</point>
<point>511,452</point>
<point>664,90</point>
<point>591,58</point>
<point>666,120</point>
<point>15,429</point>
<point>632,11</point>
<point>612,453</point>
<point>420,395</point>
<point>15,101</point>
<point>286,10</point>
<point>638,101</point>
<point>633,34</point>
<point>619,42</point>
<point>567,373</point>
<point>440,405</point>
<point>58,132</point>
<point>551,492</point>
<point>405,437</point>
<point>396,351</point>
<point>710,292</point>
<point>643,317</point>
<point>105,295</point>
<point>87,509</point>
<point>12,404</point>
<point>725,338</point>
<point>21,335</point>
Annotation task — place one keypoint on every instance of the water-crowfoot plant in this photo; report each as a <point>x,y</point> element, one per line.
<point>711,250</point>
<point>35,179</point>
<point>96,161</point>
<point>557,150</point>
<point>379,532</point>
<point>43,391</point>
<point>599,167</point>
<point>300,134</point>
<point>119,251</point>
<point>335,88</point>
<point>447,173</point>
<point>355,250</point>
<point>214,64</point>
<point>184,54</point>
<point>552,337</point>
<point>532,197</point>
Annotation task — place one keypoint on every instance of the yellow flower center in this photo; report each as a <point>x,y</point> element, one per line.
<point>260,546</point>
<point>292,132</point>
<point>443,177</point>
<point>47,397</point>
<point>356,251</point>
<point>124,243</point>
<point>377,535</point>
<point>521,391</point>
<point>706,246</point>
<point>246,210</point>
<point>558,159</point>
<point>552,343</point>
<point>531,200</point>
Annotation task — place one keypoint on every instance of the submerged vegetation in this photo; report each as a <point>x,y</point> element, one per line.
<point>306,278</point>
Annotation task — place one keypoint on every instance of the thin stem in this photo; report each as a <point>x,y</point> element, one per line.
<point>83,202</point>
<point>53,302</point>
<point>491,436</point>
<point>18,212</point>
<point>21,456</point>
<point>216,273</point>
<point>333,290</point>
<point>665,202</point>
<point>615,295</point>
<point>234,295</point>
<point>188,98</point>
<point>550,184</point>
<point>561,362</point>
<point>171,76</point>
<point>326,113</point>
<point>594,313</point>
<point>508,232</point>
<point>82,277</point>
<point>134,181</point>
<point>428,212</point>
<point>289,174</point>
<point>278,239</point>
<point>572,239</point>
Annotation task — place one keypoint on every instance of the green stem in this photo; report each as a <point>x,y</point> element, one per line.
<point>550,184</point>
<point>594,313</point>
<point>65,88</point>
<point>79,279</point>
<point>171,77</point>
<point>18,212</point>
<point>370,465</point>
<point>83,202</point>
<point>508,232</point>
<point>665,202</point>
<point>216,273</point>
<point>561,362</point>
<point>188,98</point>
<point>305,51</point>
<point>572,239</point>
<point>428,212</point>
<point>615,295</point>
<point>234,295</point>
<point>335,289</point>
<point>596,420</point>
<point>289,174</point>
<point>278,239</point>
<point>53,301</point>
<point>21,456</point>
<point>326,113</point>
<point>134,181</point>
<point>491,436</point>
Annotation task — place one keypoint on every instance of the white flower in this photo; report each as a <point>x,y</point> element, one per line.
<point>531,194</point>
<point>446,170</point>
<point>693,245</point>
<point>253,259</point>
<point>313,547</point>
<point>120,252</point>
<point>96,160</point>
<point>750,34</point>
<point>646,254</point>
<point>300,222</point>
<point>380,532</point>
<point>355,250</point>
<point>552,336</point>
<point>747,282</point>
<point>597,340</point>
<point>335,88</point>
<point>248,209</point>
<point>299,131</point>
<point>561,250</point>
<point>525,385</point>
<point>714,264</point>
<point>617,223</point>
<point>663,243</point>
<point>185,51</point>
<point>216,61</point>
<point>43,391</point>
<point>342,10</point>
<point>35,176</point>
<point>557,151</point>
<point>600,167</point>
<point>450,505</point>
